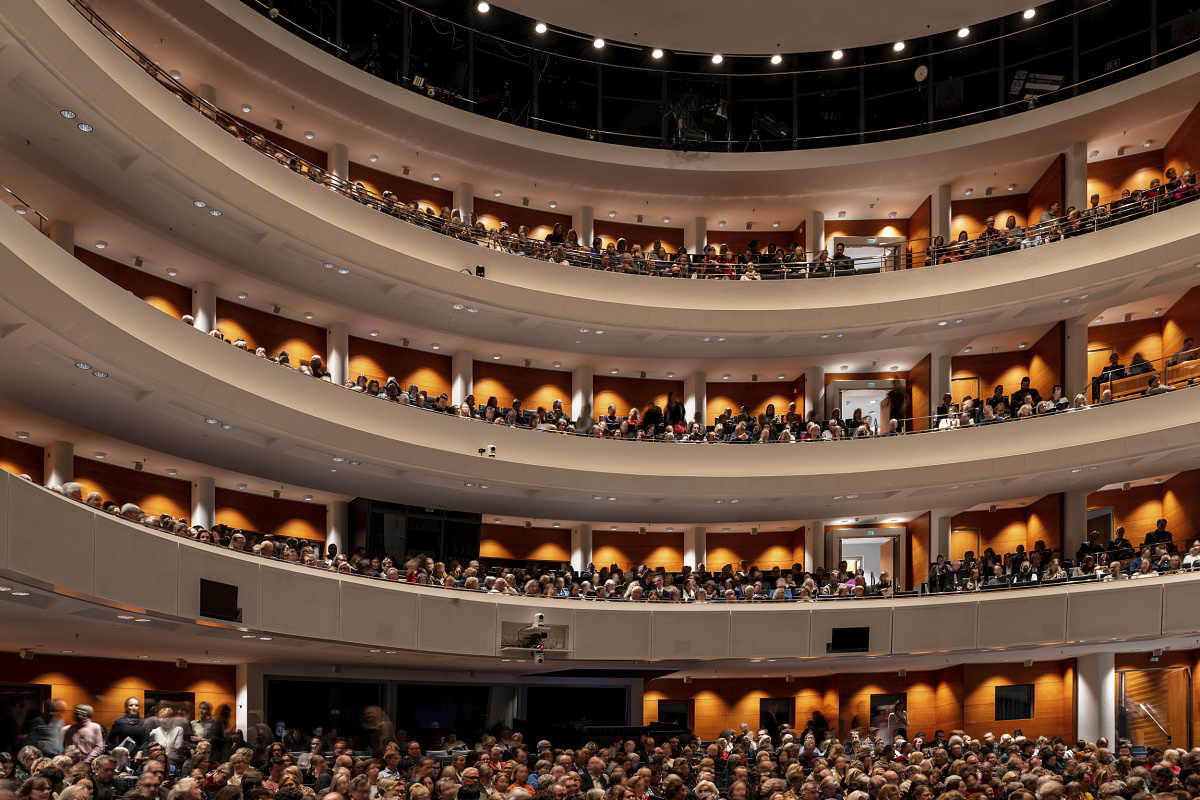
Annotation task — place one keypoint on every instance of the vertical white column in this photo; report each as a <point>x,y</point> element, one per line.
<point>695,235</point>
<point>339,161</point>
<point>814,545</point>
<point>939,213</point>
<point>581,547</point>
<point>581,394</point>
<point>60,463</point>
<point>1075,347</point>
<point>204,306</point>
<point>464,201</point>
<point>1075,176</point>
<point>816,233</point>
<point>1074,534</point>
<point>814,391</point>
<point>695,397</point>
<point>208,93</point>
<point>583,221</point>
<point>462,379</point>
<point>337,345</point>
<point>62,233</point>
<point>204,502</point>
<point>939,532</point>
<point>939,379</point>
<point>695,547</point>
<point>1095,691</point>
<point>337,525</point>
<point>241,684</point>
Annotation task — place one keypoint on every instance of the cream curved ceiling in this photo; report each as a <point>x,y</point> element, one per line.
<point>761,26</point>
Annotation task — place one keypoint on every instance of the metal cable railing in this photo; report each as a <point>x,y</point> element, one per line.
<point>896,253</point>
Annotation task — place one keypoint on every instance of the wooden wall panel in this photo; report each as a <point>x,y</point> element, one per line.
<point>1006,369</point>
<point>917,555</point>
<point>800,235</point>
<point>629,549</point>
<point>1053,707</point>
<point>532,386</point>
<point>406,190</point>
<point>22,458</point>
<point>154,494</point>
<point>738,240</point>
<point>1127,338</point>
<point>1046,361</point>
<point>168,297</point>
<point>756,396</point>
<point>1182,150</point>
<point>644,235</point>
<point>920,232</point>
<point>934,699</point>
<point>105,683</point>
<point>766,550</point>
<point>1050,188</point>
<point>380,361</point>
<point>509,542</point>
<point>971,215</point>
<point>720,704</point>
<point>1110,177</point>
<point>1180,322</point>
<point>627,393</point>
<point>1181,505</point>
<point>278,517</point>
<point>1138,509</point>
<point>313,155</point>
<point>1001,530</point>
<point>301,340</point>
<point>1045,523</point>
<point>863,227</point>
<point>541,223</point>
<point>921,404</point>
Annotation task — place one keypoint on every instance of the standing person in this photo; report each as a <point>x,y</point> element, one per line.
<point>129,731</point>
<point>45,731</point>
<point>85,734</point>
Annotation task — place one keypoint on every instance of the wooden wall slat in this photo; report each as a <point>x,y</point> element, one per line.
<point>627,393</point>
<point>509,542</point>
<point>971,215</point>
<point>169,297</point>
<point>279,517</point>
<point>22,458</point>
<point>405,189</point>
<point>1110,177</point>
<point>532,386</point>
<point>272,332</point>
<point>629,550</point>
<point>1049,188</point>
<point>380,361</point>
<point>154,494</point>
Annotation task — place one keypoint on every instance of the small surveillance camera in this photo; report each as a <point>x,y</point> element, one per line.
<point>538,657</point>
<point>491,451</point>
<point>538,619</point>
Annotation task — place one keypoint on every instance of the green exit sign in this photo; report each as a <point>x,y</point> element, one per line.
<point>870,533</point>
<point>871,240</point>
<point>870,384</point>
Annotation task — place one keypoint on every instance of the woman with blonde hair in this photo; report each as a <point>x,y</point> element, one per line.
<point>418,791</point>
<point>187,789</point>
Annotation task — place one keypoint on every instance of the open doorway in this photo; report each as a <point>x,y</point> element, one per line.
<point>868,400</point>
<point>873,253</point>
<point>1100,520</point>
<point>874,555</point>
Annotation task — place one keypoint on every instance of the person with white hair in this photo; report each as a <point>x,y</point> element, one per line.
<point>73,490</point>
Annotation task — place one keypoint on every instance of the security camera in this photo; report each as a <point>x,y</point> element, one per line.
<point>538,657</point>
<point>538,619</point>
<point>274,12</point>
<point>491,451</point>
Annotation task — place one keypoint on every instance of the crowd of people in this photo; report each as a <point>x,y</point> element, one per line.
<point>213,761</point>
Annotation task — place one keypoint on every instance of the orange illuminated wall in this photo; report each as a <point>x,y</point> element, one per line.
<point>920,232</point>
<point>720,704</point>
<point>105,683</point>
<point>171,298</point>
<point>22,458</point>
<point>1137,509</point>
<point>540,223</point>
<point>1181,506</point>
<point>511,543</point>
<point>1182,150</point>
<point>1004,529</point>
<point>627,393</point>
<point>916,550</point>
<point>755,395</point>
<point>1135,171</point>
<point>1042,363</point>
<point>1181,321</point>
<point>629,549</point>
<point>920,402</point>
<point>971,215</point>
<point>934,699</point>
<point>406,190</point>
<point>1053,697</point>
<point>271,332</point>
<point>766,550</point>
<point>154,494</point>
<point>279,517</point>
<point>1045,363</point>
<point>380,361</point>
<point>1050,188</point>
<point>644,235</point>
<point>1126,338</point>
<point>532,386</point>
<point>739,240</point>
<point>313,155</point>
<point>863,227</point>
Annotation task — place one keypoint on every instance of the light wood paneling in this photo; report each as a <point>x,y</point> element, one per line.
<point>721,704</point>
<point>1181,321</point>
<point>1005,528</point>
<point>627,393</point>
<point>756,396</point>
<point>532,386</point>
<point>1045,363</point>
<point>406,190</point>
<point>1182,150</point>
<point>170,298</point>
<point>1181,505</point>
<point>279,517</point>
<point>766,550</point>
<point>22,458</point>
<point>1138,509</point>
<point>1045,523</point>
<point>154,494</point>
<point>933,698</point>
<point>270,331</point>
<point>920,232</point>
<point>738,240</point>
<point>644,235</point>
<point>540,223</point>
<point>1127,338</point>
<point>1049,188</point>
<point>916,550</point>
<point>629,550</point>
<point>511,543</point>
<point>1053,706</point>
<point>971,215</point>
<point>380,361</point>
<point>921,403</point>
<point>1110,177</point>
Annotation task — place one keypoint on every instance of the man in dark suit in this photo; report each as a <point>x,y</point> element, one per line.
<point>772,718</point>
<point>594,778</point>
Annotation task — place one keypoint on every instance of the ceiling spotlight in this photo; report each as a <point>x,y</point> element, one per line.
<point>172,472</point>
<point>666,219</point>
<point>959,321</point>
<point>968,349</point>
<point>780,376</point>
<point>612,213</point>
<point>1093,154</point>
<point>373,158</point>
<point>100,374</point>
<point>483,8</point>
<point>457,306</point>
<point>22,434</point>
<point>21,211</point>
<point>837,55</point>
<point>720,223</point>
<point>898,46</point>
<point>373,333</point>
<point>1029,13</point>
<point>436,176</point>
<point>308,315</point>
<point>83,126</point>
<point>495,356</point>
<point>214,212</point>
<point>706,338</point>
<point>1012,186</point>
<point>339,459</point>
<point>227,426</point>
<point>942,322</point>
<point>497,193</point>
<point>776,59</point>
<point>540,27</point>
<point>172,271</point>
<point>309,135</point>
<point>841,215</point>
<point>211,421</point>
<point>68,113</point>
<point>845,367</point>
<point>245,108</point>
<point>242,295</point>
<point>98,454</point>
<point>658,53</point>
<point>356,463</point>
<point>472,310</point>
<point>554,204</point>
<point>720,338</point>
<point>1156,311</point>
<point>963,32</point>
<point>343,270</point>
<point>101,245</point>
<point>775,224</point>
<point>968,191</point>
<point>1022,345</point>
<point>670,374</point>
<point>725,377</point>
<point>892,215</point>
<point>1146,143</point>
<point>599,333</point>
<point>613,371</point>
<point>557,364</point>
<point>436,346</point>
<point>598,43</point>
<point>717,58</point>
<point>176,75</point>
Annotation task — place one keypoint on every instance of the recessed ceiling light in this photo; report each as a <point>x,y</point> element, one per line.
<point>100,245</point>
<point>837,55</point>
<point>845,367</point>
<point>540,27</point>
<point>211,421</point>
<point>1077,469</point>
<point>554,204</point>
<point>706,338</point>
<point>308,315</point>
<point>457,306</point>
<point>495,356</point>
<point>968,349</point>
<point>666,219</point>
<point>172,272</point>
<point>265,638</point>
<point>556,525</point>
<point>227,426</point>
<point>308,497</point>
<point>1093,154</point>
<point>124,616</point>
<point>780,376</point>
<point>775,224</point>
<point>143,619</point>
<point>963,32</point>
<point>497,193</point>
<point>241,486</point>
<point>215,212</point>
<point>557,364</point>
<point>22,211</point>
<point>343,270</point>
<point>100,374</point>
<point>612,498</point>
<point>968,191</point>
<point>436,176</point>
<point>1065,300</point>
<point>436,346</point>
<point>720,338</point>
<point>242,295</point>
<point>176,75</point>
<point>1022,345</point>
<point>892,215</point>
<point>717,58</point>
<point>66,651</point>
<point>468,484</point>
<point>98,455</point>
<point>959,321</point>
<point>942,322</point>
<point>898,46</point>
<point>598,43</point>
<point>1012,186</point>
<point>612,213</point>
<point>143,656</point>
<point>68,113</point>
<point>1029,13</point>
<point>309,135</point>
<point>245,108</point>
<point>839,335</point>
<point>339,459</point>
<point>356,463</point>
<point>83,126</point>
<point>725,377</point>
<point>613,371</point>
<point>216,661</point>
<point>373,333</point>
<point>670,374</point>
<point>22,435</point>
<point>1083,297</point>
<point>720,223</point>
<point>82,365</point>
<point>776,59</point>
<point>472,310</point>
<point>585,330</point>
<point>657,53</point>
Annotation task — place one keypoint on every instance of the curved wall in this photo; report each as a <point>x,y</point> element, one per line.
<point>295,601</point>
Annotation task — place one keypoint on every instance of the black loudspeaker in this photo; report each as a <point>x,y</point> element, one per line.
<point>479,271</point>
<point>849,640</point>
<point>219,601</point>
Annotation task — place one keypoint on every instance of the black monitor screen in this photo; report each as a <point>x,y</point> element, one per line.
<point>849,640</point>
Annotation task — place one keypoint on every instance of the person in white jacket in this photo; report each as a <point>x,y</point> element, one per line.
<point>169,733</point>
